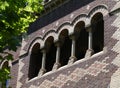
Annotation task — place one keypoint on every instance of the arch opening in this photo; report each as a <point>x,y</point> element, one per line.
<point>98,32</point>
<point>51,53</point>
<point>35,61</point>
<point>81,40</point>
<point>65,51</point>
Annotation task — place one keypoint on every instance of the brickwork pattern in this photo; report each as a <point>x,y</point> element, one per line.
<point>115,79</point>
<point>95,69</point>
<point>75,76</point>
<point>21,64</point>
<point>116,35</point>
<point>14,75</point>
<point>98,69</point>
<point>52,26</point>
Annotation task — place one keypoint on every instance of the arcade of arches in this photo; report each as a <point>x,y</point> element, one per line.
<point>84,42</point>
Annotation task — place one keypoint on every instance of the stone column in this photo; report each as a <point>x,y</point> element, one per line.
<point>72,57</point>
<point>90,50</point>
<point>90,40</point>
<point>57,63</point>
<point>42,70</point>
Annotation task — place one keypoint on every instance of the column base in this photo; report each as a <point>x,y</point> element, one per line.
<point>72,59</point>
<point>42,71</point>
<point>89,53</point>
<point>56,66</point>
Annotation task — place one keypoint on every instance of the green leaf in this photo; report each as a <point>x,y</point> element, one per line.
<point>15,17</point>
<point>9,57</point>
<point>7,71</point>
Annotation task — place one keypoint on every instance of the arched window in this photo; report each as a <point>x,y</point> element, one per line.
<point>35,61</point>
<point>51,53</point>
<point>65,51</point>
<point>81,40</point>
<point>97,23</point>
<point>5,83</point>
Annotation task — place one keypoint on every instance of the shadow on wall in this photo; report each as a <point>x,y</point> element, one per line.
<point>60,12</point>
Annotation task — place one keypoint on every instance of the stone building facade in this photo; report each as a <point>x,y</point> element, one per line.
<point>73,44</point>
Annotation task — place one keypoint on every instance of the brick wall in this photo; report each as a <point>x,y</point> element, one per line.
<point>94,72</point>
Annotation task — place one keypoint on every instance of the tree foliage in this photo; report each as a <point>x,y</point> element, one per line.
<point>15,17</point>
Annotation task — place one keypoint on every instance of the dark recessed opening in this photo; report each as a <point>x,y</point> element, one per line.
<point>65,52</point>
<point>82,44</point>
<point>51,54</point>
<point>35,61</point>
<point>98,32</point>
<point>81,40</point>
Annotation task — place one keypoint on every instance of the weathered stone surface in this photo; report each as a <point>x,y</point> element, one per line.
<point>101,70</point>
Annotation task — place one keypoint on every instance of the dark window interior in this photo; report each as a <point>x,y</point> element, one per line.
<point>81,40</point>
<point>98,32</point>
<point>50,57</point>
<point>65,52</point>
<point>81,44</point>
<point>35,61</point>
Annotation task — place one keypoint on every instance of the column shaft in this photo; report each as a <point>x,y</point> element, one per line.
<point>72,58</point>
<point>73,48</point>
<point>90,43</point>
<point>58,54</point>
<point>90,40</point>
<point>57,62</point>
<point>42,70</point>
<point>43,60</point>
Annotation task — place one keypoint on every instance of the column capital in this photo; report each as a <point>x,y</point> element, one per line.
<point>72,36</point>
<point>58,43</point>
<point>43,50</point>
<point>88,28</point>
